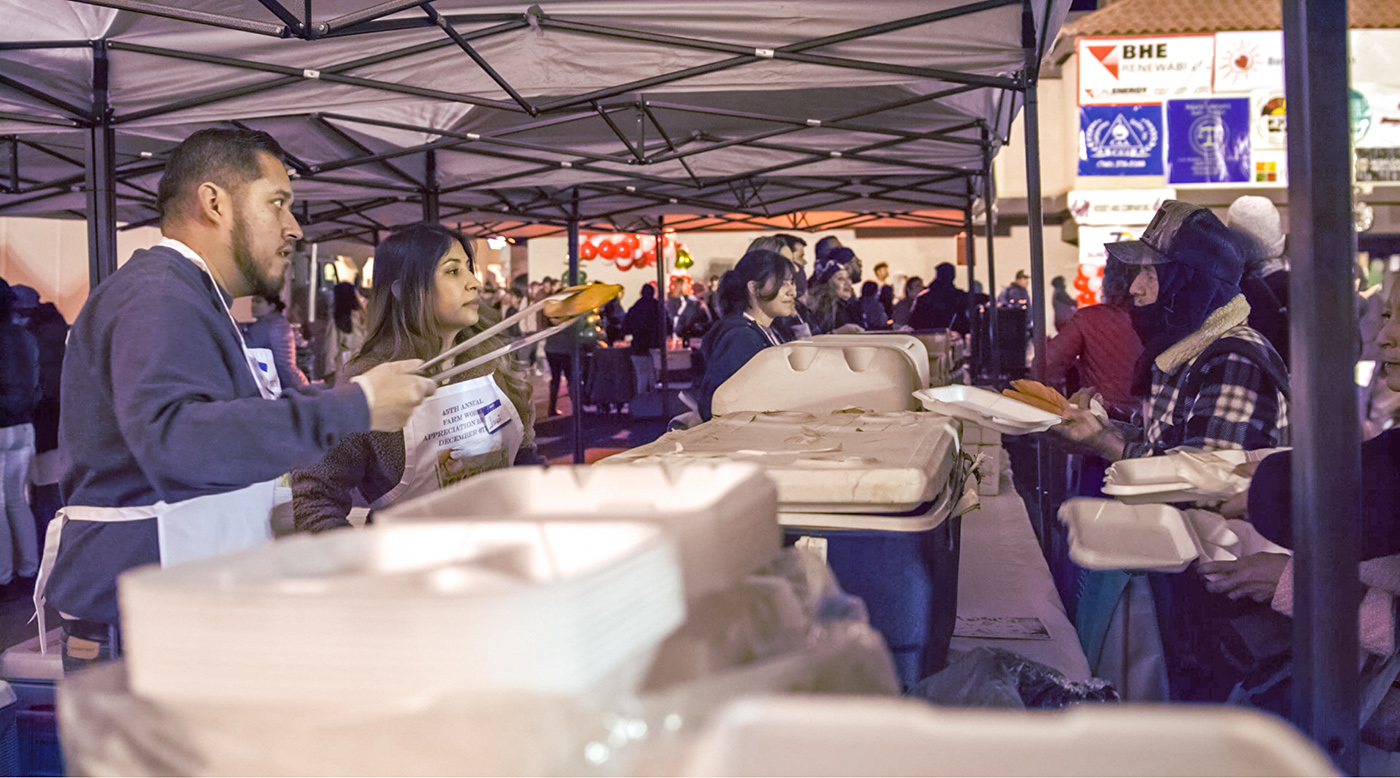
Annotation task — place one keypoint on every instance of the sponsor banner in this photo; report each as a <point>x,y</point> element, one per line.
<point>1375,55</point>
<point>1269,122</point>
<point>1092,240</point>
<point>1144,70</point>
<point>1246,61</point>
<point>1378,164</point>
<point>1120,140</point>
<point>1111,208</point>
<point>1208,141</point>
<point>1375,115</point>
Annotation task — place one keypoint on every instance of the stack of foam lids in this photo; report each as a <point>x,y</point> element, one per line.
<point>723,514</point>
<point>913,348</point>
<point>832,470</point>
<point>807,376</point>
<point>828,735</point>
<point>407,612</point>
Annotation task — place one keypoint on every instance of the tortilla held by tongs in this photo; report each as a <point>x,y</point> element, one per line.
<point>562,307</point>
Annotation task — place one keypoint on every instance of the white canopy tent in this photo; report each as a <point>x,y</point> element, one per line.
<point>496,115</point>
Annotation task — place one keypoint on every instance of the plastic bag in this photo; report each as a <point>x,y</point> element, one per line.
<point>996,678</point>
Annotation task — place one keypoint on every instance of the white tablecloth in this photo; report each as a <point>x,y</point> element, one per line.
<point>1002,573</point>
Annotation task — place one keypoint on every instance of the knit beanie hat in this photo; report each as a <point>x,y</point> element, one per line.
<point>1258,217</point>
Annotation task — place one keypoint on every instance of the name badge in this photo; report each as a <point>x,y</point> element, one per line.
<point>494,416</point>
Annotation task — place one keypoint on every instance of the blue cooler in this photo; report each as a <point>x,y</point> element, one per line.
<point>34,677</point>
<point>909,582</point>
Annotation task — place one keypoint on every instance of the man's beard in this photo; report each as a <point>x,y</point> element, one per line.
<point>258,284</point>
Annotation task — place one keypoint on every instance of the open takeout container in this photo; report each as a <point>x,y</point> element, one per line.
<point>987,409</point>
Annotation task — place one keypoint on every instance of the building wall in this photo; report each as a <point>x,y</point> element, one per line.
<point>51,255</point>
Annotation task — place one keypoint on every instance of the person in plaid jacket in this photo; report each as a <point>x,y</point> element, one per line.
<point>1211,382</point>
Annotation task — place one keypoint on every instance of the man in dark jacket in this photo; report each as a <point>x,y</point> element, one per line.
<point>169,429</point>
<point>646,322</point>
<point>942,305</point>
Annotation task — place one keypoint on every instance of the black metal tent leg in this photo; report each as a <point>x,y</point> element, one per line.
<point>1327,465</point>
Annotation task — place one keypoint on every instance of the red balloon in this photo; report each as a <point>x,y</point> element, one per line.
<point>1087,298</point>
<point>1081,283</point>
<point>1098,271</point>
<point>630,242</point>
<point>607,249</point>
<point>587,251</point>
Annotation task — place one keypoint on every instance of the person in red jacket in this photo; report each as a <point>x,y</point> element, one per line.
<point>1099,345</point>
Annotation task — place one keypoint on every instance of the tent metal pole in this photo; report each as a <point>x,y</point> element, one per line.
<point>101,174</point>
<point>1327,462</point>
<point>662,290</point>
<point>196,17</point>
<point>575,355</point>
<point>13,172</point>
<point>432,209</point>
<point>1036,225</point>
<point>989,216</point>
<point>970,251</point>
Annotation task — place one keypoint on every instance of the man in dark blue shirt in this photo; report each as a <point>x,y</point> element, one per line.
<point>171,429</point>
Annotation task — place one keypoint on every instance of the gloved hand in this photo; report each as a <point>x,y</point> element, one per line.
<point>394,391</point>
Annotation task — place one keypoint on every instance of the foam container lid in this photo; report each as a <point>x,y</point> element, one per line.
<point>398,611</point>
<point>723,514</point>
<point>830,463</point>
<point>910,346</point>
<point>830,736</point>
<point>806,376</point>
<point>987,409</point>
<point>1110,535</point>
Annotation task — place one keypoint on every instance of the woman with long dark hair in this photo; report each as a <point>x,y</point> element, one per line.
<point>761,288</point>
<point>346,334</point>
<point>425,301</point>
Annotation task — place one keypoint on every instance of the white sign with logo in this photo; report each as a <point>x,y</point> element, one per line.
<point>1268,120</point>
<point>1092,240</point>
<point>1245,61</point>
<point>1144,70</point>
<point>1110,207</point>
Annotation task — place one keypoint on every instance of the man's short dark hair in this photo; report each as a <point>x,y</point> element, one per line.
<point>791,240</point>
<point>227,157</point>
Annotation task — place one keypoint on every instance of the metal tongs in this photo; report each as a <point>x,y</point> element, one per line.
<point>584,299</point>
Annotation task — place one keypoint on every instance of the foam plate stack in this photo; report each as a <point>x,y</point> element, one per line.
<point>724,515</point>
<point>403,612</point>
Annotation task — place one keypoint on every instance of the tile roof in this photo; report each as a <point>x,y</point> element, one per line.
<point>1151,17</point>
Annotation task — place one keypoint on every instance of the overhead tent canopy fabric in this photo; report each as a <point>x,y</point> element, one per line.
<point>515,120</point>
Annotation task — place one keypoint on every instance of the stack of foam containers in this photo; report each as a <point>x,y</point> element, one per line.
<point>402,613</point>
<point>724,515</point>
<point>875,485</point>
<point>832,736</point>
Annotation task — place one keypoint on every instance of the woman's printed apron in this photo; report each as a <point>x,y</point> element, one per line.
<point>463,429</point>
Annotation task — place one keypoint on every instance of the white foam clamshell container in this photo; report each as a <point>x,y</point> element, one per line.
<point>912,348</point>
<point>830,463</point>
<point>723,514</point>
<point>805,376</point>
<point>837,736</point>
<point>987,409</point>
<point>1110,535</point>
<point>402,612</point>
